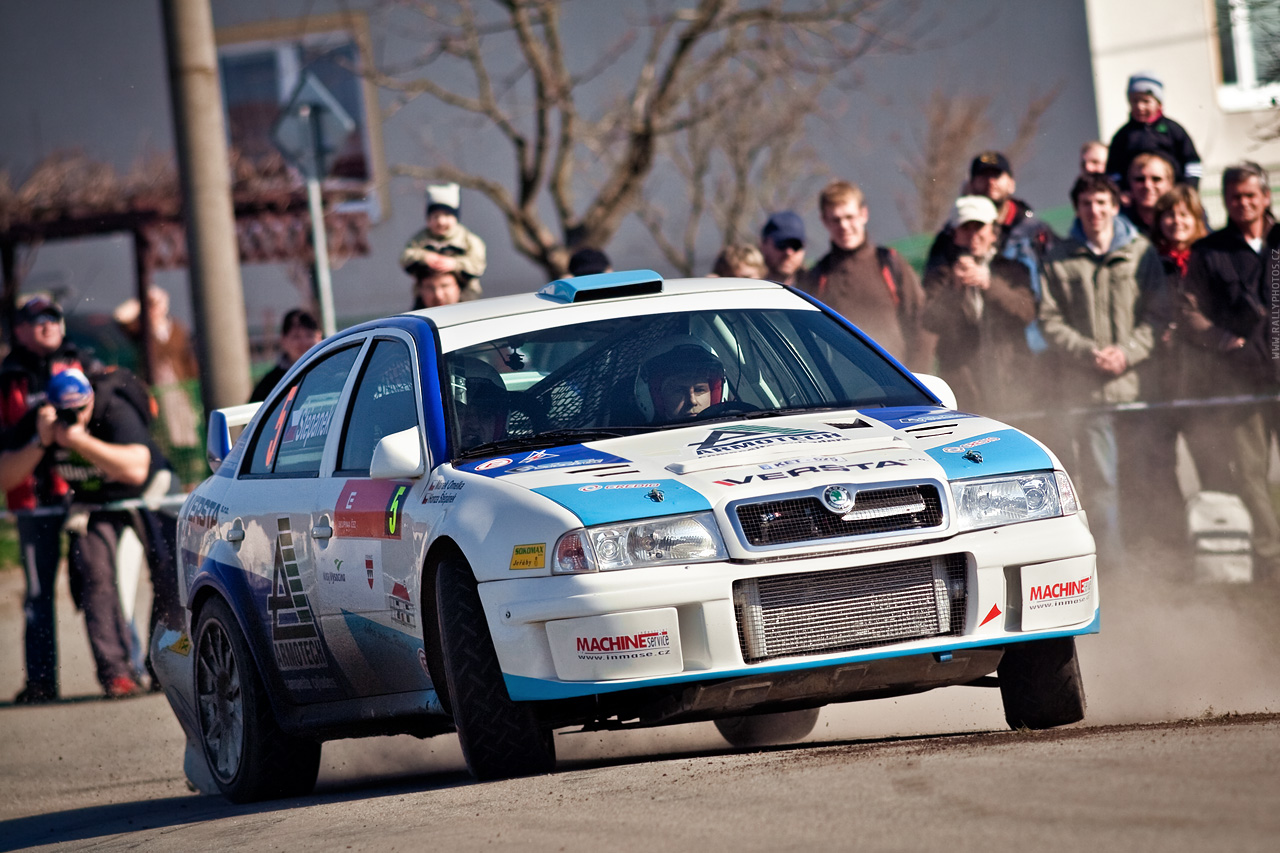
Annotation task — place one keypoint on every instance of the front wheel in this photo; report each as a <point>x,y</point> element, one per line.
<point>500,738</point>
<point>249,756</point>
<point>1040,684</point>
<point>768,729</point>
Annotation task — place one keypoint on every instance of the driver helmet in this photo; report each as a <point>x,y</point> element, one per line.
<point>481,400</point>
<point>680,357</point>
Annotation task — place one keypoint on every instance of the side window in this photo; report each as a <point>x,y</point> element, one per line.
<point>266,444</point>
<point>292,436</point>
<point>384,403</point>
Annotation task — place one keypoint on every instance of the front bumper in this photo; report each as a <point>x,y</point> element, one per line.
<point>581,635</point>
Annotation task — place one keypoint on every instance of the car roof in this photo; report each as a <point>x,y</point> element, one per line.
<point>547,298</point>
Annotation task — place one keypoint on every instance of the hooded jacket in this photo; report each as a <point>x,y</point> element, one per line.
<point>1095,301</point>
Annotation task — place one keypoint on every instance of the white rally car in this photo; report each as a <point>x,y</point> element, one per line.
<point>618,502</point>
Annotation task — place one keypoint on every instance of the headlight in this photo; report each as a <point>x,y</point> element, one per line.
<point>656,542</point>
<point>1008,500</point>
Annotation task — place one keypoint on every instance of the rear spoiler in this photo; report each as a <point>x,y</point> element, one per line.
<point>221,425</point>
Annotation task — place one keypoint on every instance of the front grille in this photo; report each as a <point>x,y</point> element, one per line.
<point>806,519</point>
<point>816,613</point>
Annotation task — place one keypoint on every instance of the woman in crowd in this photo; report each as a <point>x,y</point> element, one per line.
<point>1177,221</point>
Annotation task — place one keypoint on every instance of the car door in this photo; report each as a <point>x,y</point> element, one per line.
<point>367,567</point>
<point>273,502</point>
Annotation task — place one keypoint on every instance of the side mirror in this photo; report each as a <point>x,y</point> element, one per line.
<point>398,456</point>
<point>938,387</point>
<point>222,423</point>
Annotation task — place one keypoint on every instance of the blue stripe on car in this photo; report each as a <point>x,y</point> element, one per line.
<point>991,454</point>
<point>602,503</point>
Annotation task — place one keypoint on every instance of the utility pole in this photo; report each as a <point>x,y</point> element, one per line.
<point>217,294</point>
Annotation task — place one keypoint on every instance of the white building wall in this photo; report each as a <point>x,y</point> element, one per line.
<point>1177,40</point>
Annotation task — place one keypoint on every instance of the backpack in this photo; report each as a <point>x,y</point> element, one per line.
<point>885,257</point>
<point>124,383</point>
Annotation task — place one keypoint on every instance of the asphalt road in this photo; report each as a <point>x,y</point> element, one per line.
<point>1180,751</point>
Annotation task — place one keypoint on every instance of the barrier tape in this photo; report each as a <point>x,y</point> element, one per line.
<point>1199,403</point>
<point>130,503</point>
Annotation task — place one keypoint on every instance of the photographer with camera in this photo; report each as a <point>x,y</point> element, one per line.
<point>74,449</point>
<point>34,492</point>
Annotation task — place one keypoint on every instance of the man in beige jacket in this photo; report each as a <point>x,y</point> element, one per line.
<point>1103,299</point>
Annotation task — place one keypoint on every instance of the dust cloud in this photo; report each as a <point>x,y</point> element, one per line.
<point>1176,649</point>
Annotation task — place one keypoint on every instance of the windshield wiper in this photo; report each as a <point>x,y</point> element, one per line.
<point>550,438</point>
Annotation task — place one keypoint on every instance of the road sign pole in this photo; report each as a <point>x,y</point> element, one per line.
<point>324,286</point>
<point>311,118</point>
<point>319,237</point>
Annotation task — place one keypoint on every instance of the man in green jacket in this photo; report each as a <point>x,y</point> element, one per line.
<point>1104,298</point>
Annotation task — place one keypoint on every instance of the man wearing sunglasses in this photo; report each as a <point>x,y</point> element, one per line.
<point>782,244</point>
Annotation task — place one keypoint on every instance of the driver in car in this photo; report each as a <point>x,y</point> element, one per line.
<point>680,382</point>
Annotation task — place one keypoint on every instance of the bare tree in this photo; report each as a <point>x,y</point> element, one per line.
<point>736,168</point>
<point>955,128</point>
<point>689,64</point>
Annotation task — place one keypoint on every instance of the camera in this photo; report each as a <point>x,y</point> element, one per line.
<point>69,416</point>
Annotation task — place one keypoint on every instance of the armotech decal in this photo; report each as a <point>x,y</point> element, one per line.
<point>814,469</point>
<point>738,439</point>
<point>295,637</point>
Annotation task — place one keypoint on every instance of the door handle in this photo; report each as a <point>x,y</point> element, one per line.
<point>321,531</point>
<point>235,534</point>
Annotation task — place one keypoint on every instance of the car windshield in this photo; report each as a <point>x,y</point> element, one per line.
<point>636,374</point>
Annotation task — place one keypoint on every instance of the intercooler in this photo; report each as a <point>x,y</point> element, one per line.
<point>814,613</point>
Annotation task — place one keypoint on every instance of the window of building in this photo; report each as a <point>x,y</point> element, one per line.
<point>1249,46</point>
<point>261,65</point>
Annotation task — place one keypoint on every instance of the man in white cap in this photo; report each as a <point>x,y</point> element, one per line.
<point>1149,129</point>
<point>445,245</point>
<point>978,304</point>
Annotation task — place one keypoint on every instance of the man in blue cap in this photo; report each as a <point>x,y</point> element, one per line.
<point>102,448</point>
<point>782,244</point>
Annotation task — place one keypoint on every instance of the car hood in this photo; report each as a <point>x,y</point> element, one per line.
<point>698,467</point>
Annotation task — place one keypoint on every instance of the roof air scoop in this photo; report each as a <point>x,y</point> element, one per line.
<point>605,285</point>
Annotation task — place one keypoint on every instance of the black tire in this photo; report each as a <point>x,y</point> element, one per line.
<point>768,729</point>
<point>500,738</point>
<point>249,757</point>
<point>1040,684</point>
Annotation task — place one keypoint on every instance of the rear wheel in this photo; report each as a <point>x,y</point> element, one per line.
<point>767,729</point>
<point>250,757</point>
<point>500,738</point>
<point>1040,684</point>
